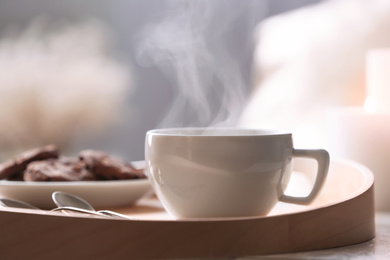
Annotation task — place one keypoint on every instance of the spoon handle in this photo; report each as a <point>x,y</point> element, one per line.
<point>114,214</point>
<point>79,210</point>
<point>105,213</point>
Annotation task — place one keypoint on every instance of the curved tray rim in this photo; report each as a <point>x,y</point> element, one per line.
<point>336,224</point>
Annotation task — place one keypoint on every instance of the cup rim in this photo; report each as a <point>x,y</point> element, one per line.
<point>228,131</point>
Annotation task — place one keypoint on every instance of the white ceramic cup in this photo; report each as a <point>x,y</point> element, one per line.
<point>225,172</point>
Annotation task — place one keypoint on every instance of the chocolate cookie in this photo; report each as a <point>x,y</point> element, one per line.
<point>64,169</point>
<point>13,169</point>
<point>109,167</point>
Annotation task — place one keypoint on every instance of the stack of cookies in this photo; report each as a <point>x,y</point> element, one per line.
<point>46,164</point>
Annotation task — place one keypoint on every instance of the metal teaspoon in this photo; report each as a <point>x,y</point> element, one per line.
<point>12,203</point>
<point>66,200</point>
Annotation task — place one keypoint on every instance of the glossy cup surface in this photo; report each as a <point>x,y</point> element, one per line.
<point>201,173</point>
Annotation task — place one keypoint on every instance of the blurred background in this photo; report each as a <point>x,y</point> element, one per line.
<point>99,74</point>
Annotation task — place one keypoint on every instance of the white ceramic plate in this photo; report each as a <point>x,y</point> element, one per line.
<point>101,194</point>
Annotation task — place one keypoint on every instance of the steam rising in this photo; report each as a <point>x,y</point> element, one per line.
<point>190,46</point>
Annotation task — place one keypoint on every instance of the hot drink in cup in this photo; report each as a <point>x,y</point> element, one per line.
<point>225,172</point>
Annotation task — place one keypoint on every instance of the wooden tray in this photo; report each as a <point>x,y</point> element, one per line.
<point>343,214</point>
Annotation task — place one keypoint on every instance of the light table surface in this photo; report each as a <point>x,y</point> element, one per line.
<point>377,248</point>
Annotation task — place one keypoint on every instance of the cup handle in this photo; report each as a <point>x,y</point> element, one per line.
<point>322,158</point>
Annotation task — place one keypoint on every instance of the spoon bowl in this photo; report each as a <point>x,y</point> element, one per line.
<point>12,203</point>
<point>63,199</point>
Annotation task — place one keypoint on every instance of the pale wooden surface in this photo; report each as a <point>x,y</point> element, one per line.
<point>342,215</point>
<point>377,248</point>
